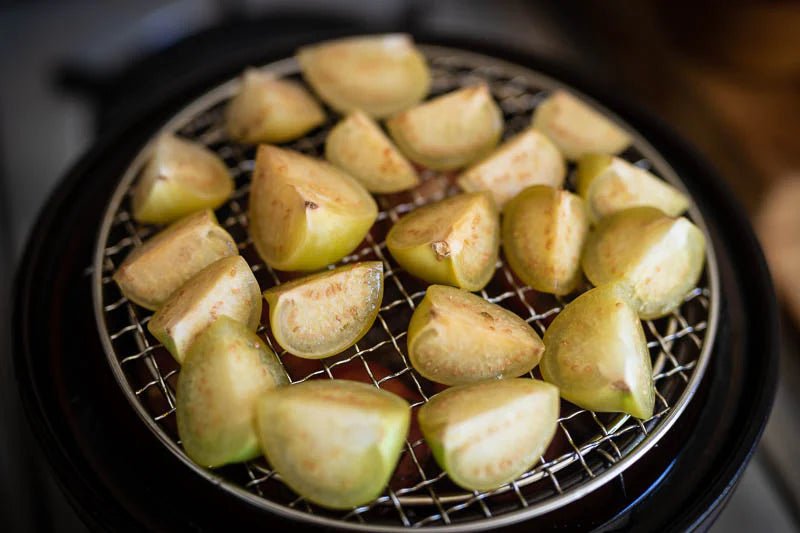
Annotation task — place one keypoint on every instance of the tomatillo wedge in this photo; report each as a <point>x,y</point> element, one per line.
<point>451,242</point>
<point>659,257</point>
<point>224,288</point>
<point>152,272</point>
<point>271,110</point>
<point>358,146</point>
<point>324,314</point>
<point>544,230</point>
<point>451,130</point>
<point>379,74</point>
<point>610,184</point>
<point>227,370</point>
<point>487,434</point>
<point>529,158</point>
<point>596,354</point>
<point>305,213</point>
<point>334,442</point>
<point>181,177</point>
<point>457,337</point>
<point>576,128</point>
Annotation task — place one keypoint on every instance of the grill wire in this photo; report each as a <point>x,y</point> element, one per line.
<point>587,444</point>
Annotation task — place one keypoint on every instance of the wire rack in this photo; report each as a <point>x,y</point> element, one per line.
<point>589,449</point>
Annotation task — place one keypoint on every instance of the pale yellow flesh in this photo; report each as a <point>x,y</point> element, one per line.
<point>152,272</point>
<point>181,177</point>
<point>324,314</point>
<point>270,110</point>
<point>610,184</point>
<point>224,288</point>
<point>452,242</point>
<point>380,74</point>
<point>544,230</point>
<point>576,128</point>
<point>596,354</point>
<point>358,146</point>
<point>449,131</point>
<point>305,213</point>
<point>659,257</point>
<point>334,442</point>
<point>227,370</point>
<point>529,158</point>
<point>487,434</point>
<point>456,337</point>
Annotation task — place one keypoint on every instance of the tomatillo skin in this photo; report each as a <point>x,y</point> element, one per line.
<point>487,434</point>
<point>449,131</point>
<point>529,158</point>
<point>151,273</point>
<point>544,231</point>
<point>358,146</point>
<point>576,128</point>
<point>380,75</point>
<point>271,110</point>
<point>456,337</point>
<point>228,368</point>
<point>596,354</point>
<point>610,184</point>
<point>181,178</point>
<point>452,242</point>
<point>660,258</point>
<point>224,288</point>
<point>324,314</point>
<point>334,442</point>
<point>304,213</point>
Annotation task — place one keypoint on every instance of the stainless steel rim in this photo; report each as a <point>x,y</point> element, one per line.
<point>678,328</point>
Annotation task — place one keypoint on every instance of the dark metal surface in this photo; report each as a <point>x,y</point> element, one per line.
<point>89,432</point>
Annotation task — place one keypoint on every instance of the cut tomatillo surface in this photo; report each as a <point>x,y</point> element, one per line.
<point>451,130</point>
<point>610,184</point>
<point>487,434</point>
<point>596,354</point>
<point>452,242</point>
<point>152,272</point>
<point>358,146</point>
<point>305,213</point>
<point>227,370</point>
<point>659,257</point>
<point>334,442</point>
<point>224,288</point>
<point>379,74</point>
<point>271,110</point>
<point>529,158</point>
<point>576,128</point>
<point>324,314</point>
<point>457,337</point>
<point>544,230</point>
<point>181,177</point>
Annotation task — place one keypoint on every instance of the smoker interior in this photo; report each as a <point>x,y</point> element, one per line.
<point>93,435</point>
<point>588,448</point>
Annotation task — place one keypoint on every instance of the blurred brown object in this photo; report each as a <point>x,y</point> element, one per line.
<point>755,40</point>
<point>726,75</point>
<point>743,58</point>
<point>747,68</point>
<point>778,226</point>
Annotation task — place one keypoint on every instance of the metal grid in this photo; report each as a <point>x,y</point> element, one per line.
<point>589,448</point>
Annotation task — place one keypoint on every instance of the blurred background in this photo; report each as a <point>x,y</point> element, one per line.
<point>725,75</point>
